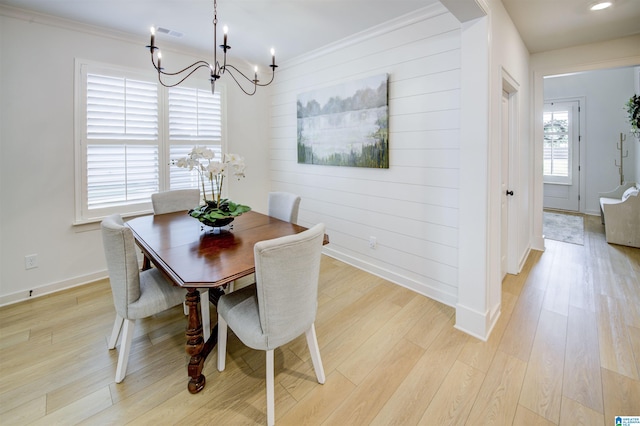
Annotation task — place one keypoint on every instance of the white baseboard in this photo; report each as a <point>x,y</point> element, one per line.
<point>474,323</point>
<point>523,259</point>
<point>400,280</point>
<point>23,295</point>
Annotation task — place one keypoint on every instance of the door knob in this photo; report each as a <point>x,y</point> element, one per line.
<point>509,192</point>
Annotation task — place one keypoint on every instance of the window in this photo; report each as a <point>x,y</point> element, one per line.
<point>129,130</point>
<point>194,115</point>
<point>556,143</point>
<point>560,123</point>
<point>121,141</point>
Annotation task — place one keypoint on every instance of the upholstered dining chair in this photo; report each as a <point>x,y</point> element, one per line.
<point>178,200</point>
<point>281,205</point>
<point>175,200</point>
<point>284,206</point>
<point>172,201</point>
<point>136,294</point>
<point>281,305</point>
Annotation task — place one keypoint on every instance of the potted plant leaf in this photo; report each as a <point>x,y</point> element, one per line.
<point>633,114</point>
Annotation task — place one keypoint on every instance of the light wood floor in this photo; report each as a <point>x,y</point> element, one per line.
<point>566,350</point>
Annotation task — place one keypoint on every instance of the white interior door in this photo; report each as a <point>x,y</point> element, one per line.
<point>561,156</point>
<point>504,176</point>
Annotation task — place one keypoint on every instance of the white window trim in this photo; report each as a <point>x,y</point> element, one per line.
<point>82,215</point>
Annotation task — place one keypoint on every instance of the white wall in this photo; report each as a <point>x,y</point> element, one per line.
<point>480,289</point>
<point>479,295</point>
<point>472,307</point>
<point>438,199</point>
<point>605,93</point>
<point>37,147</point>
<point>247,119</point>
<point>510,65</point>
<point>412,207</point>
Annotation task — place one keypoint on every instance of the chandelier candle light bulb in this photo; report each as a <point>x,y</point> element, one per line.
<point>216,69</point>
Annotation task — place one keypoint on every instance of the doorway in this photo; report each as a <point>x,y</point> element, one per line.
<point>504,184</point>
<point>561,155</point>
<point>509,189</point>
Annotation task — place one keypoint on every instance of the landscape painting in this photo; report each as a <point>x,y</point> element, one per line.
<point>345,125</point>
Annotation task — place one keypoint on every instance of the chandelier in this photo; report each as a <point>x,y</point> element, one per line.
<point>216,70</point>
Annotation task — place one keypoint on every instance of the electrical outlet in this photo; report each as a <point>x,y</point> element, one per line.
<point>373,242</point>
<point>31,261</point>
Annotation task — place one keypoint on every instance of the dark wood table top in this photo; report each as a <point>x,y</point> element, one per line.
<point>192,257</point>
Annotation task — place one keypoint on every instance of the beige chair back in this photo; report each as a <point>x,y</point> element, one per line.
<point>284,206</point>
<point>175,201</point>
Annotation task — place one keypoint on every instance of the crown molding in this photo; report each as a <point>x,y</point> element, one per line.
<point>419,15</point>
<point>76,26</point>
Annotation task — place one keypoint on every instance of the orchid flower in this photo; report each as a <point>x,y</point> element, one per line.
<point>203,160</point>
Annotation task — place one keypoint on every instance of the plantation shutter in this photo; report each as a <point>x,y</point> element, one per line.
<point>195,118</point>
<point>122,158</point>
<point>128,130</point>
<point>556,143</point>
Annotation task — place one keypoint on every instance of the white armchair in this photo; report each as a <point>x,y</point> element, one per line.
<point>620,212</point>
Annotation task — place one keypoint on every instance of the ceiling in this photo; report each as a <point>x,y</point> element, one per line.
<point>294,27</point>
<point>554,24</point>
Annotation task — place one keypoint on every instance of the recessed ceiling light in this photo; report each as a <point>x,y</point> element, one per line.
<point>600,5</point>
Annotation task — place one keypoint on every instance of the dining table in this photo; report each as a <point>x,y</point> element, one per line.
<point>193,256</point>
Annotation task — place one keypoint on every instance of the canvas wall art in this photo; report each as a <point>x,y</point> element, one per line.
<point>345,125</point>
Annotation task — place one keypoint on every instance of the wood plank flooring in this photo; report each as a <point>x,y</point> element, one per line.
<point>566,350</point>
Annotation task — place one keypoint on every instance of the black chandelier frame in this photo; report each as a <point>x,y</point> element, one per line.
<point>216,70</point>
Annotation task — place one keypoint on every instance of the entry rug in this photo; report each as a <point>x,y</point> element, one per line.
<point>563,227</point>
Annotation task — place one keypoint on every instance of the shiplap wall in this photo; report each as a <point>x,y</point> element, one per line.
<point>412,207</point>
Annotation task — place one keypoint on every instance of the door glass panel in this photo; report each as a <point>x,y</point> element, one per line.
<point>557,147</point>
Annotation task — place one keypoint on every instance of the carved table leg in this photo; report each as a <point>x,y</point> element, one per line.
<point>195,342</point>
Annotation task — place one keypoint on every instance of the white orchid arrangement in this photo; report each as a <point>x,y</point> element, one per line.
<point>203,160</point>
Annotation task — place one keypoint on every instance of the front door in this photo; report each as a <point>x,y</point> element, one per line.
<point>561,155</point>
